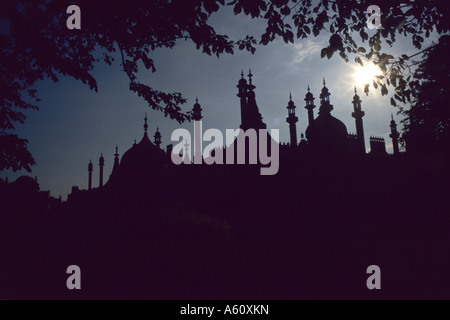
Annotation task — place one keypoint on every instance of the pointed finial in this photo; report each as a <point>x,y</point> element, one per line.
<point>242,73</point>
<point>355,90</point>
<point>117,151</point>
<point>250,76</point>
<point>145,123</point>
<point>290,96</point>
<point>324,81</point>
<point>134,141</point>
<point>392,116</point>
<point>196,99</point>
<point>308,87</point>
<point>157,129</point>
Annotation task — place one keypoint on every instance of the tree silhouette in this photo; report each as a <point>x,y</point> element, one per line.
<point>39,45</point>
<point>427,122</point>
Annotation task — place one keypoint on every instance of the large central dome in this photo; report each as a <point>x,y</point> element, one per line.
<point>143,156</point>
<point>326,129</point>
<point>142,164</point>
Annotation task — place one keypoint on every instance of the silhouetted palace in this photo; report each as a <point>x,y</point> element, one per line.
<point>156,230</point>
<point>145,162</point>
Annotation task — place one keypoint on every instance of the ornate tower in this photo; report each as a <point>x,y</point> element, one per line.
<point>394,135</point>
<point>358,114</point>
<point>115,169</point>
<point>242,94</point>
<point>197,110</point>
<point>292,119</point>
<point>250,116</point>
<point>157,137</point>
<point>309,98</point>
<point>101,163</point>
<point>90,169</point>
<point>325,105</point>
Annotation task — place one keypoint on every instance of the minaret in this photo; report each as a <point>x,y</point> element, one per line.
<point>309,98</point>
<point>157,137</point>
<point>325,105</point>
<point>197,116</point>
<point>292,119</point>
<point>197,110</point>
<point>394,135</point>
<point>101,163</point>
<point>90,169</point>
<point>358,114</point>
<point>242,94</point>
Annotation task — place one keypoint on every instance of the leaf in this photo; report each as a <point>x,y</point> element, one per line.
<point>364,35</point>
<point>358,60</point>
<point>285,11</point>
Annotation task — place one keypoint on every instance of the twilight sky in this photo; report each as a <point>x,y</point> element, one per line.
<point>75,125</point>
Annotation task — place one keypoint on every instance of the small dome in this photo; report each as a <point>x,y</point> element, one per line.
<point>309,96</point>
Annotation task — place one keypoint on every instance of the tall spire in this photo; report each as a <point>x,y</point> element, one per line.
<point>394,135</point>
<point>115,169</point>
<point>358,114</point>
<point>292,119</point>
<point>90,169</point>
<point>145,123</point>
<point>250,77</point>
<point>101,163</point>
<point>309,99</point>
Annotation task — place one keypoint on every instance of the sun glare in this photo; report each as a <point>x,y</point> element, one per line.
<point>366,74</point>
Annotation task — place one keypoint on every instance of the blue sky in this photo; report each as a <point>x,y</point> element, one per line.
<point>75,125</point>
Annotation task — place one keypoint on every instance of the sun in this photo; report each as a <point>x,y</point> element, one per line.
<point>367,74</point>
